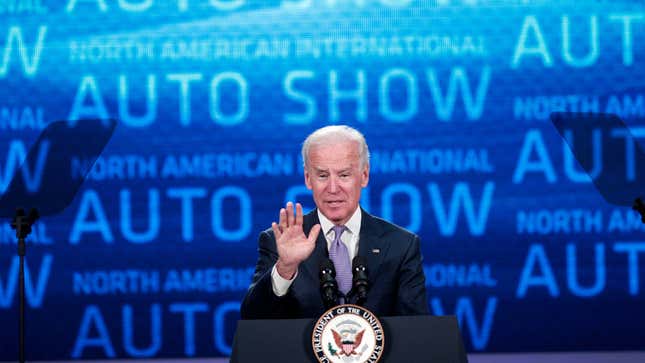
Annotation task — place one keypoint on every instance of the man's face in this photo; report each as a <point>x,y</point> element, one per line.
<point>335,176</point>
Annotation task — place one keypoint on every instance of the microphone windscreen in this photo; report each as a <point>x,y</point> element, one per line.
<point>327,266</point>
<point>358,261</point>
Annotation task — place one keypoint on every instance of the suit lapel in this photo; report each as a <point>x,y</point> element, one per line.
<point>370,244</point>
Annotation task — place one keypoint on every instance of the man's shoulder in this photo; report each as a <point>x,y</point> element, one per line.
<point>387,227</point>
<point>267,231</point>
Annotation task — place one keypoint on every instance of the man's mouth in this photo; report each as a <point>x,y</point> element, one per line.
<point>334,203</point>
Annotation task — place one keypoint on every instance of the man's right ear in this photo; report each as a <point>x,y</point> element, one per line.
<point>307,180</point>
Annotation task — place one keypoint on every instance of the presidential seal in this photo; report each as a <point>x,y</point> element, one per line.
<point>348,333</point>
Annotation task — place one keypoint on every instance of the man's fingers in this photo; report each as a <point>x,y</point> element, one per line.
<point>276,230</point>
<point>313,233</point>
<point>290,217</point>
<point>283,218</point>
<point>298,214</point>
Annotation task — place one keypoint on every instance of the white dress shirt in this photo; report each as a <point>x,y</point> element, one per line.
<point>349,237</point>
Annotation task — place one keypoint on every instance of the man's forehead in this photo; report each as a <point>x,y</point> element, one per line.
<point>334,152</point>
<point>337,168</point>
<point>335,156</point>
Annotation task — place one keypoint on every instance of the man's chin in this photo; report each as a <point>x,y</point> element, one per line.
<point>334,215</point>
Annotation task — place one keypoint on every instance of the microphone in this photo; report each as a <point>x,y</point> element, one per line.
<point>328,284</point>
<point>360,284</point>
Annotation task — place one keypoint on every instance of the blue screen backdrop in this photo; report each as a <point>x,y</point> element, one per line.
<point>214,98</point>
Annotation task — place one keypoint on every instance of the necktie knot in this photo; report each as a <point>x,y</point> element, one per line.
<point>338,230</point>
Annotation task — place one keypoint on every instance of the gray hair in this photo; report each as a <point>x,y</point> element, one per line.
<point>334,134</point>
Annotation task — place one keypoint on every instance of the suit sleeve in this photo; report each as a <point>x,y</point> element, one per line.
<point>260,302</point>
<point>412,297</point>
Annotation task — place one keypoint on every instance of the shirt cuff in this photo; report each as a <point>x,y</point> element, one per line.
<point>279,284</point>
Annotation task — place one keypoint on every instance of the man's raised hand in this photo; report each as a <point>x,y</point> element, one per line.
<point>293,246</point>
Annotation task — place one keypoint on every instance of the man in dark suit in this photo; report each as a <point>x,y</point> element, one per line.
<point>286,283</point>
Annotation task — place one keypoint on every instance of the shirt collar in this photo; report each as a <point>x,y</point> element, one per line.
<point>353,224</point>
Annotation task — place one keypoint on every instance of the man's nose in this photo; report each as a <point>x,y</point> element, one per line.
<point>333,184</point>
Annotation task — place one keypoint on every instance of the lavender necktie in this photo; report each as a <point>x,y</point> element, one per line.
<point>339,255</point>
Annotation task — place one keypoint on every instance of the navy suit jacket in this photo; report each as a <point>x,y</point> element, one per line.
<point>397,282</point>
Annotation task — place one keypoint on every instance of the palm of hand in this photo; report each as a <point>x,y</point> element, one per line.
<point>292,244</point>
